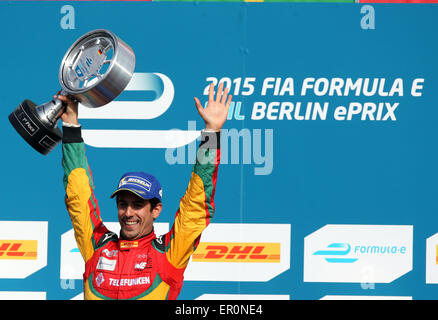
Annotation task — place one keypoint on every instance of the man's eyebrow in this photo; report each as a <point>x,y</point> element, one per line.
<point>136,201</point>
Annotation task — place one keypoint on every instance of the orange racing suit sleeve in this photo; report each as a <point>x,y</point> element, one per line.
<point>196,207</point>
<point>81,203</point>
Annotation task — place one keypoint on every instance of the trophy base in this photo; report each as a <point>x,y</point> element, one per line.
<point>38,135</point>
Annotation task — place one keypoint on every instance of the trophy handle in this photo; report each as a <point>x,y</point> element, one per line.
<point>50,112</point>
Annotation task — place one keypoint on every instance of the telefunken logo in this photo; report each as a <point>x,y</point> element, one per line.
<point>129,282</point>
<point>122,282</point>
<point>343,249</point>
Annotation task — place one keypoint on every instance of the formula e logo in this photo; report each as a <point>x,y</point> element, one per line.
<point>156,82</point>
<point>337,250</point>
<point>358,253</point>
<point>164,90</point>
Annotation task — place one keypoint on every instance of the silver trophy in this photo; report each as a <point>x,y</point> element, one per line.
<point>94,71</point>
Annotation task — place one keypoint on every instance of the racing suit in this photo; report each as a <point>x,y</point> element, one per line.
<point>148,268</point>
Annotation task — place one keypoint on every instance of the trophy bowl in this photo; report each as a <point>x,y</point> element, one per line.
<point>94,71</point>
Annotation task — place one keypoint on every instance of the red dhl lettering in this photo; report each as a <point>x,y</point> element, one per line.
<point>18,249</point>
<point>237,252</point>
<point>124,245</point>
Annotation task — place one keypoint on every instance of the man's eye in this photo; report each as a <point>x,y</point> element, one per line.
<point>138,204</point>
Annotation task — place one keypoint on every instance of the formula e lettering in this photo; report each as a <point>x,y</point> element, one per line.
<point>361,86</point>
<point>368,111</point>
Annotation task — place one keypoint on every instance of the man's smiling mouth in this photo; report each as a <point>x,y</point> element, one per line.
<point>130,223</point>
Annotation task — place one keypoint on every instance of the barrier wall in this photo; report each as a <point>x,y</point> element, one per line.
<point>327,187</point>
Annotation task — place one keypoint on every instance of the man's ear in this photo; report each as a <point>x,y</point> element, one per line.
<point>157,210</point>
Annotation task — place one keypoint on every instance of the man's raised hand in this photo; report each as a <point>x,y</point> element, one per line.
<point>216,112</point>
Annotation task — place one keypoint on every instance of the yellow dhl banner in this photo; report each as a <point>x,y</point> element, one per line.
<point>18,249</point>
<point>237,252</point>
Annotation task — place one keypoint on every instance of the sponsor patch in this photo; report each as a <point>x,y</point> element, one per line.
<point>106,264</point>
<point>136,180</point>
<point>109,253</point>
<point>126,245</point>
<point>140,265</point>
<point>99,279</point>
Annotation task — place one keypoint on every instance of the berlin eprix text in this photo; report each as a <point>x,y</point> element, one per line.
<point>319,88</point>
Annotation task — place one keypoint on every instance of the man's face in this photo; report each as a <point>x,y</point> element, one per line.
<point>135,215</point>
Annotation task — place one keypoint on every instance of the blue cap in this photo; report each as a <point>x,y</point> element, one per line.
<point>142,184</point>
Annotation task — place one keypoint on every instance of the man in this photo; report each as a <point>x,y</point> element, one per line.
<point>138,265</point>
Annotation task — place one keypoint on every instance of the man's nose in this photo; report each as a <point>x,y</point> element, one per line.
<point>129,211</point>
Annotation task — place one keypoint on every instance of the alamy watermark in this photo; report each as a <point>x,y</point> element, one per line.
<point>244,146</point>
<point>68,18</point>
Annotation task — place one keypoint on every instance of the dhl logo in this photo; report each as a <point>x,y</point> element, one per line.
<point>237,252</point>
<point>124,245</point>
<point>18,249</point>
